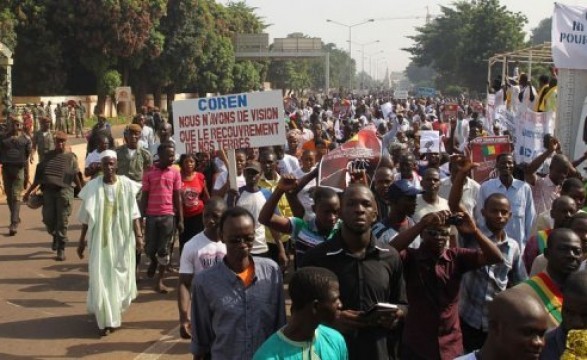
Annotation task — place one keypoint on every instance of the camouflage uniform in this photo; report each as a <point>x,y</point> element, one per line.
<point>59,125</point>
<point>16,152</point>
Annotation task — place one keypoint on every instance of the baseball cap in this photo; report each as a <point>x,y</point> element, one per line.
<point>401,188</point>
<point>253,165</point>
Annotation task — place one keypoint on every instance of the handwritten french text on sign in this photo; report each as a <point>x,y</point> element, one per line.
<point>484,151</point>
<point>229,122</point>
<point>569,36</point>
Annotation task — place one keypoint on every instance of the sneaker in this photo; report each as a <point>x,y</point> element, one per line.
<point>12,229</point>
<point>60,255</point>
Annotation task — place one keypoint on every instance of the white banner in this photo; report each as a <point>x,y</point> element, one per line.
<point>527,130</point>
<point>234,121</point>
<point>569,39</point>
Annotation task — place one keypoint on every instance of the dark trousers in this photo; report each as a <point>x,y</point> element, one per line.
<point>57,204</point>
<point>192,226</point>
<point>13,179</point>
<point>159,231</point>
<point>473,339</point>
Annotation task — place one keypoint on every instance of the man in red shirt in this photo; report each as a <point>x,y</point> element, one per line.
<point>433,276</point>
<point>161,203</point>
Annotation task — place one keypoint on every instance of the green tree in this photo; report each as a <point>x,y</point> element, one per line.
<point>112,34</point>
<point>420,75</point>
<point>542,33</point>
<point>458,43</point>
<point>7,37</point>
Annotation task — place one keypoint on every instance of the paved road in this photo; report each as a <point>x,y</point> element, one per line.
<point>43,302</point>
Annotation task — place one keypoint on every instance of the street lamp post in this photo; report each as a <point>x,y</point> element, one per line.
<point>377,68</point>
<point>362,51</point>
<point>370,56</point>
<point>350,27</point>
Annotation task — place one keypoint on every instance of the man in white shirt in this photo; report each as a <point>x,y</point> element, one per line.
<point>429,201</point>
<point>287,164</point>
<point>461,133</point>
<point>199,253</point>
<point>164,133</point>
<point>470,189</point>
<point>527,94</point>
<point>252,197</point>
<point>147,138</point>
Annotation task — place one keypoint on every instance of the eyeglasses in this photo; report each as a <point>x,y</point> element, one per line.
<point>437,233</point>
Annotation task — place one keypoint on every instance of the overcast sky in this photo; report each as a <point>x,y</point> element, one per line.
<point>309,17</point>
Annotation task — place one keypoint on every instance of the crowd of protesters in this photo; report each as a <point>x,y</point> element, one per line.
<point>415,260</point>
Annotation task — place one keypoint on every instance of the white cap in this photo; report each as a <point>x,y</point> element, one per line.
<point>108,153</point>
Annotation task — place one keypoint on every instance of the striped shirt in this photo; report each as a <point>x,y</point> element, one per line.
<point>480,286</point>
<point>160,184</point>
<point>306,235</point>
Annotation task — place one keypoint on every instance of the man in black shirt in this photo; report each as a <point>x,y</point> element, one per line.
<point>367,273</point>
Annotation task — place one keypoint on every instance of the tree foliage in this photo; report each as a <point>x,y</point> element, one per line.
<point>300,75</point>
<point>421,75</point>
<point>542,33</point>
<point>458,43</point>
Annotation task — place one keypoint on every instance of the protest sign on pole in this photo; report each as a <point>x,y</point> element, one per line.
<point>386,110</point>
<point>363,151</point>
<point>123,94</point>
<point>531,128</point>
<point>229,122</point>
<point>429,141</point>
<point>568,37</point>
<point>450,110</point>
<point>233,121</point>
<point>484,151</point>
<point>526,129</point>
<point>401,94</point>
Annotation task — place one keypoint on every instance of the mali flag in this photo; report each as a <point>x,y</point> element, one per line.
<point>488,150</point>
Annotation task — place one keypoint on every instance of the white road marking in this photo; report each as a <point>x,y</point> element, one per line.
<point>161,346</point>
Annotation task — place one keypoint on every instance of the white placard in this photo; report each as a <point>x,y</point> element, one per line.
<point>569,36</point>
<point>386,110</point>
<point>429,141</point>
<point>123,94</point>
<point>235,121</point>
<point>401,94</point>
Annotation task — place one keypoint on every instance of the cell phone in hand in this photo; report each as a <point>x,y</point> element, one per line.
<point>380,308</point>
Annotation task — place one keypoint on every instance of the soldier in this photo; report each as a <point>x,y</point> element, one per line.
<point>58,119</point>
<point>69,119</point>
<point>43,141</point>
<point>64,118</point>
<point>56,176</point>
<point>16,150</point>
<point>80,113</point>
<point>49,113</point>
